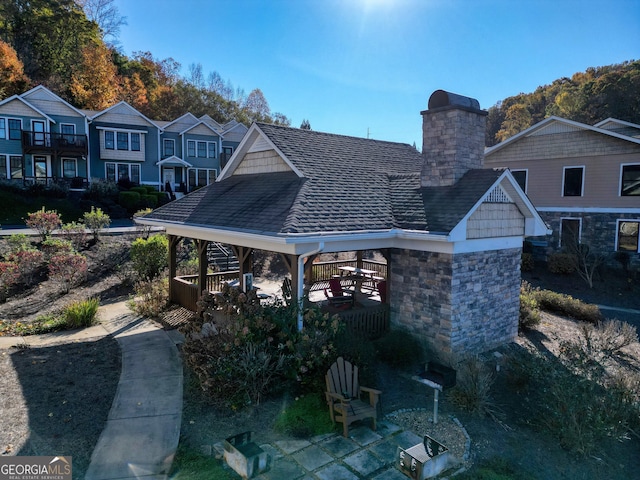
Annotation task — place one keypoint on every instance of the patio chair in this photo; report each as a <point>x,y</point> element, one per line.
<point>344,396</point>
<point>382,290</point>
<point>338,296</point>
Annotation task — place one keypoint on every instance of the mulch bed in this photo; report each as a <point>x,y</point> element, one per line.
<point>55,400</point>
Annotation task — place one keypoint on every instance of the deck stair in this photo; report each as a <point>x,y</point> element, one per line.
<point>222,257</point>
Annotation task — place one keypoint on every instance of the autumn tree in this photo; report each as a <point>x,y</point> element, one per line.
<point>12,77</point>
<point>256,106</point>
<point>134,92</point>
<point>94,82</point>
<point>516,120</point>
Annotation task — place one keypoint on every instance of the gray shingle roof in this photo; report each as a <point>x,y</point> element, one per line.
<point>350,184</point>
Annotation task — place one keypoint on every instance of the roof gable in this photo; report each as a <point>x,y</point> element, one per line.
<point>47,101</point>
<point>124,113</point>
<point>15,105</point>
<point>200,128</point>
<point>210,121</point>
<point>181,123</point>
<point>257,154</point>
<point>554,125</point>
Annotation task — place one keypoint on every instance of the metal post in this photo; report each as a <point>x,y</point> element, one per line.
<point>436,392</point>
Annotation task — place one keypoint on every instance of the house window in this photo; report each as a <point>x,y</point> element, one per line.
<point>68,131</point>
<point>69,167</point>
<point>134,173</point>
<point>630,185</point>
<point>3,128</point>
<point>628,240</point>
<point>521,177</point>
<point>135,142</point>
<point>211,146</point>
<point>109,140</point>
<point>199,177</point>
<point>570,234</point>
<point>123,141</point>
<point>169,147</point>
<point>191,148</point>
<point>16,166</point>
<point>124,171</point>
<point>573,181</point>
<point>202,149</point>
<point>15,129</point>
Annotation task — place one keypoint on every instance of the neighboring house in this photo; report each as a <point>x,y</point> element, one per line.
<point>450,230</point>
<point>44,139</point>
<point>584,180</point>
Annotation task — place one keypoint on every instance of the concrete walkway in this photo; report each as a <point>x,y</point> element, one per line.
<point>143,428</point>
<point>142,431</point>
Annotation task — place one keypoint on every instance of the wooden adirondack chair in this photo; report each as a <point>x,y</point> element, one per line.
<point>344,396</point>
<point>337,296</point>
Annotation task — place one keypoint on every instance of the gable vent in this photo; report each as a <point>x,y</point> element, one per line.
<point>498,195</point>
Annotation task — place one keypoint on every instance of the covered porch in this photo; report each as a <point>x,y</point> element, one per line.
<point>367,314</point>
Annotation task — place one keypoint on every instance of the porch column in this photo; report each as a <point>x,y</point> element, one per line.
<point>308,271</point>
<point>203,264</point>
<point>359,259</point>
<point>387,256</point>
<point>173,247</point>
<point>244,259</point>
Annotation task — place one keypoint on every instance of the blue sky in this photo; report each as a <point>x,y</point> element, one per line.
<point>368,67</point>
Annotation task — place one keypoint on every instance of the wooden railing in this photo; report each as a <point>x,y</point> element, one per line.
<point>368,322</point>
<point>322,272</point>
<point>185,290</point>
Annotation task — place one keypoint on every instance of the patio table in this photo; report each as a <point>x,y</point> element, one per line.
<point>359,276</point>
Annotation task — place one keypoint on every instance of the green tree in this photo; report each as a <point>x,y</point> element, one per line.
<point>96,220</point>
<point>305,125</point>
<point>47,36</point>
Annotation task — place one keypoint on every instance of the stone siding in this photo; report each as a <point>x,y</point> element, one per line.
<point>459,304</point>
<point>453,143</point>
<point>598,230</point>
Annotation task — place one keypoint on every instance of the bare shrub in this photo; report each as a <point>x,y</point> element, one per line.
<point>596,344</point>
<point>151,297</point>
<point>472,392</point>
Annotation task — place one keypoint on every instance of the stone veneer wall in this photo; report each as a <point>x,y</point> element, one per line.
<point>456,304</point>
<point>599,231</point>
<point>452,143</point>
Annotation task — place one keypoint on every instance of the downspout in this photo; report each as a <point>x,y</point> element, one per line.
<point>86,129</point>
<point>301,280</point>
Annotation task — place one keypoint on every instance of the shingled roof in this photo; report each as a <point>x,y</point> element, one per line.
<point>348,184</point>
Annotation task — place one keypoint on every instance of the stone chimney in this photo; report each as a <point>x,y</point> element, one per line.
<point>452,138</point>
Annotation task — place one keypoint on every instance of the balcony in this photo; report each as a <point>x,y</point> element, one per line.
<point>54,143</point>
